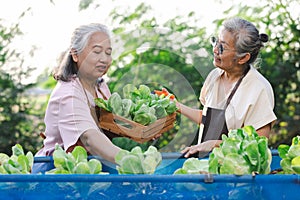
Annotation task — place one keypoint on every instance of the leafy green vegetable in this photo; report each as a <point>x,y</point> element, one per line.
<point>3,158</point>
<point>138,104</point>
<point>127,108</point>
<point>115,103</point>
<point>95,166</point>
<point>290,155</point>
<point>129,91</point>
<point>145,115</point>
<point>138,162</point>
<point>17,163</point>
<point>193,166</point>
<point>74,163</point>
<point>102,103</point>
<point>17,150</point>
<point>242,152</point>
<point>160,111</point>
<point>234,163</point>
<point>171,108</point>
<point>144,91</point>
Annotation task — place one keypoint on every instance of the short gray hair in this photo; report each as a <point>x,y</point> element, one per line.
<point>247,37</point>
<point>67,67</point>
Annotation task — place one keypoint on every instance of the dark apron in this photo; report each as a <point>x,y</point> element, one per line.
<point>213,121</point>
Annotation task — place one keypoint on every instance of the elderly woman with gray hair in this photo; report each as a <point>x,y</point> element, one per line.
<point>234,94</point>
<point>70,116</point>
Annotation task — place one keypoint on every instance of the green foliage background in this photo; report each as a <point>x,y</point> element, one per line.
<point>176,55</point>
<point>18,117</point>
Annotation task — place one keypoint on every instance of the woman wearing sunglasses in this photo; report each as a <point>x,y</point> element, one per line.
<point>234,94</point>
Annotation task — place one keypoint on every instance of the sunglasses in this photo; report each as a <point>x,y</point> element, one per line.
<point>215,43</point>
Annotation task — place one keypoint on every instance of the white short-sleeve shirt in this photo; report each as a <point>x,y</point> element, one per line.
<point>252,103</point>
<point>68,114</point>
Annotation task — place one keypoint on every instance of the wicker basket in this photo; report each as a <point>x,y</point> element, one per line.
<point>137,132</point>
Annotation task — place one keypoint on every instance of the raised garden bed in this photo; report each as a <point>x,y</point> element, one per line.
<point>161,185</point>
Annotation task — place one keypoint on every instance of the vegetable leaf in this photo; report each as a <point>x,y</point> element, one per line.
<point>138,104</point>
<point>75,162</point>
<point>290,155</point>
<point>138,162</point>
<point>17,163</point>
<point>242,152</point>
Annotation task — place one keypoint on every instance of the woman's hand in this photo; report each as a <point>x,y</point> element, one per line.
<point>156,136</point>
<point>204,147</point>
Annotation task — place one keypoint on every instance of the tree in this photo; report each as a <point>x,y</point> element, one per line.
<point>148,46</point>
<point>282,66</point>
<point>17,117</point>
<point>177,55</point>
<point>171,55</point>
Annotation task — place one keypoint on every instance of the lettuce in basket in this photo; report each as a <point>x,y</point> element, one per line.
<point>102,103</point>
<point>130,91</point>
<point>138,104</point>
<point>144,92</point>
<point>127,108</point>
<point>160,111</point>
<point>114,103</point>
<point>163,106</point>
<point>145,115</point>
<point>171,108</point>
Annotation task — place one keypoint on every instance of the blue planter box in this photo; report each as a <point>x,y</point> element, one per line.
<point>161,185</point>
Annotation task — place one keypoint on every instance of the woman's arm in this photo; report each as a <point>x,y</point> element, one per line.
<point>264,131</point>
<point>98,144</point>
<point>193,114</point>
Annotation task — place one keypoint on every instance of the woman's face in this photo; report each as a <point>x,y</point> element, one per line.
<point>95,59</point>
<point>224,51</point>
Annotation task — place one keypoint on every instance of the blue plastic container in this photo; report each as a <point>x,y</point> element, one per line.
<point>161,185</point>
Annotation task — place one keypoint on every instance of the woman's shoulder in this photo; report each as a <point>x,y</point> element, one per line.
<point>73,82</point>
<point>68,87</point>
<point>256,83</point>
<point>259,79</point>
<point>214,74</point>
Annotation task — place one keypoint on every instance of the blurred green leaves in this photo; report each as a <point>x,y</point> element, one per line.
<point>175,54</point>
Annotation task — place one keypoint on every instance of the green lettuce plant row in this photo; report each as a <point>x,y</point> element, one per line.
<point>128,162</point>
<point>138,162</point>
<point>138,104</point>
<point>75,162</point>
<point>242,152</point>
<point>17,163</point>
<point>290,156</point>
